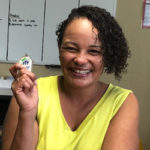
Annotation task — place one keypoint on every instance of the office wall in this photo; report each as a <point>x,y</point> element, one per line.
<point>128,14</point>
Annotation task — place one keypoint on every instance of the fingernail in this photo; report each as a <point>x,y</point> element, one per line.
<point>35,82</point>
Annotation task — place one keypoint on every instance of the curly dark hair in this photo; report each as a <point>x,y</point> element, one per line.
<point>114,45</point>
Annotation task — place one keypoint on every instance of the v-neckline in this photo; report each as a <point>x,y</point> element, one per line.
<point>88,116</point>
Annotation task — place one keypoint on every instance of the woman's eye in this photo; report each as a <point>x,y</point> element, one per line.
<point>94,52</point>
<point>72,49</point>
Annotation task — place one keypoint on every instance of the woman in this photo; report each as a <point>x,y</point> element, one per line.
<point>76,110</point>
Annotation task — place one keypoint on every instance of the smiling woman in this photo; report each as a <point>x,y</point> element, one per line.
<point>76,110</point>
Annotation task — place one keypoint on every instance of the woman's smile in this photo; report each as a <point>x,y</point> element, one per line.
<point>80,72</point>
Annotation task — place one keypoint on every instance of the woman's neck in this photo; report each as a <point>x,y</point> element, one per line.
<point>83,94</point>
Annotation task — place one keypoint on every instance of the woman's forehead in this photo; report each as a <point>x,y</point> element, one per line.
<point>81,27</point>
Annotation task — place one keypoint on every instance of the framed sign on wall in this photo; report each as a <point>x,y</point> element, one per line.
<point>146,14</point>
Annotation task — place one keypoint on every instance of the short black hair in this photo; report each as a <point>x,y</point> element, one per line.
<point>114,44</point>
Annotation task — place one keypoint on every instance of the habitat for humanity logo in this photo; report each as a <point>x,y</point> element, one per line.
<point>27,62</point>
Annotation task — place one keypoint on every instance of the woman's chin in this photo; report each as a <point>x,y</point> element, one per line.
<point>79,83</point>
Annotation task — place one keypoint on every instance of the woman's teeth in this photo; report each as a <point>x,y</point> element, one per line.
<point>82,71</point>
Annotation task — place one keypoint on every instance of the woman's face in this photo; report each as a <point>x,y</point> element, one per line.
<point>80,54</point>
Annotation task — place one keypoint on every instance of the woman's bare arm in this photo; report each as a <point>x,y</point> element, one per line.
<point>123,132</point>
<point>10,125</point>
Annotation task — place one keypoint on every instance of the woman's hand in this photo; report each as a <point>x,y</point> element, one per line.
<point>24,88</point>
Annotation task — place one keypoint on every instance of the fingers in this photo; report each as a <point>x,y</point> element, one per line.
<point>24,71</point>
<point>24,80</point>
<point>23,84</point>
<point>18,70</point>
<point>15,69</point>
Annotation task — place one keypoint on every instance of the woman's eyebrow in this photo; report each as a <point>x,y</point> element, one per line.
<point>95,46</point>
<point>75,44</point>
<point>69,42</point>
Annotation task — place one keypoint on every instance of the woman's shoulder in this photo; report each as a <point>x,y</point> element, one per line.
<point>120,96</point>
<point>117,90</point>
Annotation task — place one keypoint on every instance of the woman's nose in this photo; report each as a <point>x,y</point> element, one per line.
<point>80,58</point>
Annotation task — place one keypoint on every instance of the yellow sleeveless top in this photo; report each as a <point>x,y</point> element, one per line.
<point>54,132</point>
